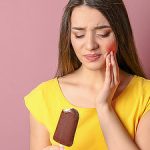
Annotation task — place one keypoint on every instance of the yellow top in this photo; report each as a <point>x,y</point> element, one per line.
<point>46,102</point>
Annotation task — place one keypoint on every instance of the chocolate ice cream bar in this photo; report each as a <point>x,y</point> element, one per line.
<point>66,127</point>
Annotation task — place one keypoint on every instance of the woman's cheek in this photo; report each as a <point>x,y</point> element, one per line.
<point>111,47</point>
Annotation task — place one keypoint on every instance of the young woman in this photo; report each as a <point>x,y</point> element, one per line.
<point>98,74</point>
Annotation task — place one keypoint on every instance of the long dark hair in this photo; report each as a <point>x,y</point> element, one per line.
<point>116,14</point>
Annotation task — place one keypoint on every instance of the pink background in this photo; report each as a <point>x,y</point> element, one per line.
<point>29,32</point>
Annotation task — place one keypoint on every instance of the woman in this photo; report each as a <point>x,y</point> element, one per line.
<point>98,74</point>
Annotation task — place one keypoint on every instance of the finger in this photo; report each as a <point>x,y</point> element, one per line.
<point>117,66</point>
<point>107,74</point>
<point>116,63</point>
<point>114,69</point>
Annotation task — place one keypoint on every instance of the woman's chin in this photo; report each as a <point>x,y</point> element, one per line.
<point>95,66</point>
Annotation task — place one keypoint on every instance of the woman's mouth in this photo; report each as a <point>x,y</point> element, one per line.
<point>92,57</point>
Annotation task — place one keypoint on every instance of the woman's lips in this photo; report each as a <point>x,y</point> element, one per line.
<point>92,57</point>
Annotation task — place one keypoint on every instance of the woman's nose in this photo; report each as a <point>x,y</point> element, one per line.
<point>91,43</point>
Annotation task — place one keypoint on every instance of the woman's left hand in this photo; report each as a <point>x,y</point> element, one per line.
<point>111,82</point>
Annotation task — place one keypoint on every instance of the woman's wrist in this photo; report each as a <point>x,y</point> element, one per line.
<point>104,109</point>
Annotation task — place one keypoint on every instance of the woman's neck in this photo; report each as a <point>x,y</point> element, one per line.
<point>94,78</point>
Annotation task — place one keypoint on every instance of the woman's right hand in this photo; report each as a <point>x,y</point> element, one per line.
<point>54,147</point>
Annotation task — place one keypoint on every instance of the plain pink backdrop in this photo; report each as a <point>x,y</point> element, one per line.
<point>29,31</point>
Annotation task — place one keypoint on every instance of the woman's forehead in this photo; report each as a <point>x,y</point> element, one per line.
<point>86,16</point>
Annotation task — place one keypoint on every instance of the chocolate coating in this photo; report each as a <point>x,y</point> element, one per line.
<point>66,127</point>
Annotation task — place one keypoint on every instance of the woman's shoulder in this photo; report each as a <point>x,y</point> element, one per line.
<point>142,84</point>
<point>44,85</point>
<point>143,89</point>
<point>49,82</point>
<point>39,91</point>
<point>146,82</point>
<point>146,85</point>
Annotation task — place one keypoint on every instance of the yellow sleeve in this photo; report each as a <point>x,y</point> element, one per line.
<point>34,101</point>
<point>147,107</point>
<point>147,96</point>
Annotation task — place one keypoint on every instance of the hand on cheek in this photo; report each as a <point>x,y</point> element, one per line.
<point>111,81</point>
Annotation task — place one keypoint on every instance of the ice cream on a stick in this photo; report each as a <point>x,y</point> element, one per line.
<point>66,127</point>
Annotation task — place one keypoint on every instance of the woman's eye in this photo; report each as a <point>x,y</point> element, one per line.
<point>104,35</point>
<point>80,36</point>
<point>101,35</point>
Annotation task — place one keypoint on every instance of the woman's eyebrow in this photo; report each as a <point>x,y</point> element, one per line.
<point>97,27</point>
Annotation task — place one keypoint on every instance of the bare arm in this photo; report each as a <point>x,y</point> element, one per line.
<point>116,136</point>
<point>39,136</point>
<point>143,132</point>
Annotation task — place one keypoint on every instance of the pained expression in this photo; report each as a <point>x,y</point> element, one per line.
<point>91,34</point>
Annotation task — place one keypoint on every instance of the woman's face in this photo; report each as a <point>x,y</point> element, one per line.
<point>91,34</point>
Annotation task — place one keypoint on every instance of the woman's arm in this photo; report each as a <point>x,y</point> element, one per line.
<point>116,136</point>
<point>142,137</point>
<point>39,136</point>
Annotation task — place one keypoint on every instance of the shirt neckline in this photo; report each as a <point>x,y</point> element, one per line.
<point>90,108</point>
